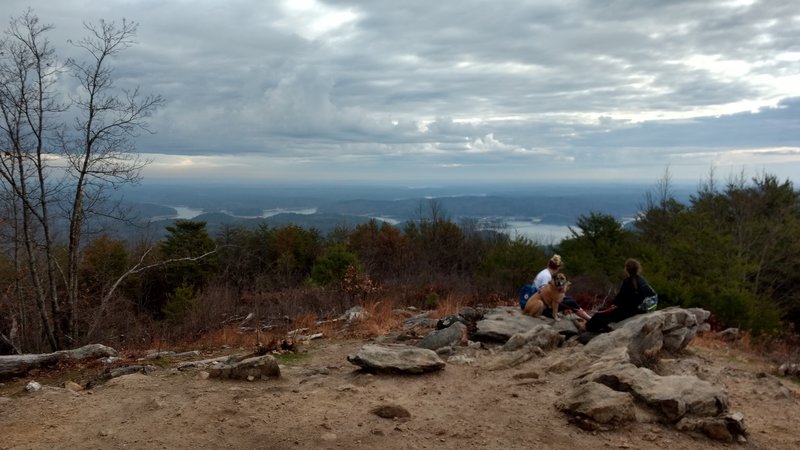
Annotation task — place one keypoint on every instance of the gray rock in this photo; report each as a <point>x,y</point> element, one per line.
<point>463,360</point>
<point>172,354</point>
<point>391,412</point>
<point>726,427</point>
<point>127,370</point>
<point>470,313</point>
<point>109,359</point>
<point>564,326</point>
<point>444,352</point>
<point>507,360</point>
<point>447,321</point>
<point>729,334</point>
<point>451,336</point>
<point>673,396</point>
<point>259,367</point>
<point>600,404</point>
<point>789,369</point>
<point>645,335</point>
<point>419,321</point>
<point>566,363</point>
<point>353,314</point>
<point>701,315</point>
<point>396,358</point>
<point>646,344</point>
<point>542,336</point>
<point>704,328</point>
<point>616,379</point>
<point>501,323</point>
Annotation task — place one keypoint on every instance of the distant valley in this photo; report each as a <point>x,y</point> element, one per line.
<point>536,211</point>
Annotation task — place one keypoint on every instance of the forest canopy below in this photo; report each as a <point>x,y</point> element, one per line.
<point>732,249</point>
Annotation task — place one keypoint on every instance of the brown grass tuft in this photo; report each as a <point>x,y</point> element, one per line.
<point>776,349</point>
<point>450,305</point>
<point>709,341</point>
<point>379,319</point>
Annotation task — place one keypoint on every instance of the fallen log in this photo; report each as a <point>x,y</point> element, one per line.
<point>17,365</point>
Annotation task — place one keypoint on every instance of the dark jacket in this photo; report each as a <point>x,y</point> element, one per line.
<point>629,297</point>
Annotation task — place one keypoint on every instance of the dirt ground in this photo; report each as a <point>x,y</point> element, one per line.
<point>322,402</point>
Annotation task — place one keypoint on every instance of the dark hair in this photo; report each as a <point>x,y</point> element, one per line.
<point>632,268</point>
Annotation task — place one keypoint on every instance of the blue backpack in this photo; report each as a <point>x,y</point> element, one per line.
<point>649,304</point>
<point>525,293</point>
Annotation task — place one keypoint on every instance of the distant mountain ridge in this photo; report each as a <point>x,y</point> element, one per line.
<point>349,206</point>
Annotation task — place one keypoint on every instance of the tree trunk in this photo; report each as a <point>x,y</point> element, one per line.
<point>17,365</point>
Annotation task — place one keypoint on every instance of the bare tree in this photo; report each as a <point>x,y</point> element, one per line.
<point>28,70</point>
<point>56,173</point>
<point>102,156</point>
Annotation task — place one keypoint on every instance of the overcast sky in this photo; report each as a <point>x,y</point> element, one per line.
<point>444,91</point>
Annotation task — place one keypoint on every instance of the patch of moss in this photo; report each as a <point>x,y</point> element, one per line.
<point>162,362</point>
<point>291,358</point>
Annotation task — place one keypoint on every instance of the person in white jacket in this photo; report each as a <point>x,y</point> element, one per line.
<point>569,303</point>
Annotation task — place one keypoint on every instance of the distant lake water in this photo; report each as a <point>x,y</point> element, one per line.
<point>539,232</point>
<point>185,212</point>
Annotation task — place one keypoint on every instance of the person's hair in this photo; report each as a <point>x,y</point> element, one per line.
<point>632,268</point>
<point>554,263</point>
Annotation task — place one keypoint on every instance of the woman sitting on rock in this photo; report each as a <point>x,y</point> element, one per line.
<point>633,291</point>
<point>569,303</point>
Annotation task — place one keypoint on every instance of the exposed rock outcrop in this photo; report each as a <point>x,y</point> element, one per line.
<point>620,365</point>
<point>499,324</point>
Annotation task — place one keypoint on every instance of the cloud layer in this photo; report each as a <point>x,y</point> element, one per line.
<point>469,90</point>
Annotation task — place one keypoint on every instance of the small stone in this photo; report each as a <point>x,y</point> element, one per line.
<point>391,412</point>
<point>329,437</point>
<point>72,386</point>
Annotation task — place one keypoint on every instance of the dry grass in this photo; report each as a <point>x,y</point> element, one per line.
<point>781,349</point>
<point>709,341</point>
<point>307,312</point>
<point>777,350</point>
<point>231,336</point>
<point>380,318</point>
<point>450,305</point>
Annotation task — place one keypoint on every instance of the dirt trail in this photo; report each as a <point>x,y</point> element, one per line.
<point>322,402</point>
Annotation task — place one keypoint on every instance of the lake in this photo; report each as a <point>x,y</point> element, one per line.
<point>539,232</point>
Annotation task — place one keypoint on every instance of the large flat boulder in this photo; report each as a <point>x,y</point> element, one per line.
<point>396,358</point>
<point>645,335</point>
<point>499,324</point>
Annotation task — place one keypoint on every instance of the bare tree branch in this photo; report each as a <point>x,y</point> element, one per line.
<point>138,268</point>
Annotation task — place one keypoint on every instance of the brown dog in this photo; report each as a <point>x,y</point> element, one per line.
<point>550,295</point>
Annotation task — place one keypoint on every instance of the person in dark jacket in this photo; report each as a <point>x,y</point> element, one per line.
<point>633,291</point>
